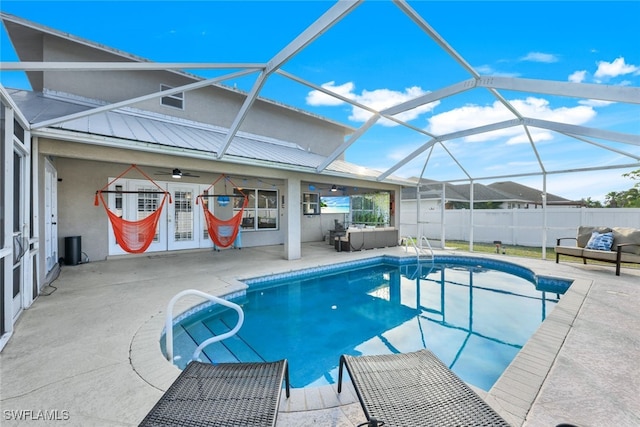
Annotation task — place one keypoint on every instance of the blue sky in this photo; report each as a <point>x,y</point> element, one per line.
<point>378,57</point>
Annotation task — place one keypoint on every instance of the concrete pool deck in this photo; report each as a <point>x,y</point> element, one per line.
<point>87,352</point>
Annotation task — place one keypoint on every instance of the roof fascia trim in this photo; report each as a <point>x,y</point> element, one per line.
<point>7,100</point>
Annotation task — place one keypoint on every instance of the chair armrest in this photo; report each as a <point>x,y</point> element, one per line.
<point>563,238</point>
<point>619,246</point>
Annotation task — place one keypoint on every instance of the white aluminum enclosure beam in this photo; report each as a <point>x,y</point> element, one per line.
<point>420,22</point>
<point>124,66</point>
<point>312,32</point>
<point>624,153</point>
<point>566,128</point>
<point>416,18</point>
<point>131,101</point>
<point>625,94</point>
<point>554,172</point>
<point>533,147</point>
<point>563,128</point>
<point>430,97</point>
<point>387,113</point>
<point>453,135</point>
<point>346,144</point>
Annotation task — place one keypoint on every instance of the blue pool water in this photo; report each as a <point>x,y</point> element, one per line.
<point>474,314</point>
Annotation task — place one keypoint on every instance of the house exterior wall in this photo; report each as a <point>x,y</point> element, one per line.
<point>316,227</point>
<point>213,105</point>
<point>81,175</point>
<point>79,178</point>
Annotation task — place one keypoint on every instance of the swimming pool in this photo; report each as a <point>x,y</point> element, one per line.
<point>474,313</point>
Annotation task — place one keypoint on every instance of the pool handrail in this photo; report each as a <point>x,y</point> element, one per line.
<point>168,324</point>
<point>419,250</point>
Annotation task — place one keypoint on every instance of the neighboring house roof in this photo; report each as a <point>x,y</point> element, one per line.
<point>482,193</point>
<point>170,133</point>
<point>506,191</point>
<point>526,193</point>
<point>430,190</point>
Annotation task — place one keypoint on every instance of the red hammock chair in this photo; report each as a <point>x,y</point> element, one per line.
<point>223,232</point>
<point>133,236</point>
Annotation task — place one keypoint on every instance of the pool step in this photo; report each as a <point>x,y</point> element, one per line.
<point>183,345</point>
<point>230,350</point>
<point>235,344</point>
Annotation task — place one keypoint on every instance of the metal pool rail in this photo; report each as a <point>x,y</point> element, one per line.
<point>169,322</point>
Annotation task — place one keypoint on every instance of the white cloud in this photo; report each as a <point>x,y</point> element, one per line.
<point>540,57</point>
<point>578,76</point>
<point>614,69</point>
<point>488,70</point>
<point>378,99</point>
<point>317,98</point>
<point>485,69</point>
<point>471,116</point>
<point>595,102</point>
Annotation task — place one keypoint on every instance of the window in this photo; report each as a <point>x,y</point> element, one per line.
<point>262,211</point>
<point>176,100</point>
<point>183,212</point>
<point>370,209</point>
<point>148,203</point>
<point>310,204</point>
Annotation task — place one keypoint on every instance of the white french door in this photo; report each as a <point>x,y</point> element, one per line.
<point>184,221</point>
<point>50,215</point>
<point>134,200</point>
<point>181,224</point>
<point>20,236</point>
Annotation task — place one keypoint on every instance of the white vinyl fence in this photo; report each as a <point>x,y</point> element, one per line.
<point>524,227</point>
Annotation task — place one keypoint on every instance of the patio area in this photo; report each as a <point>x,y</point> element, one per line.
<point>86,352</point>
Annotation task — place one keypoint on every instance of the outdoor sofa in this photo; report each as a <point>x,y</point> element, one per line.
<point>357,239</point>
<point>615,245</point>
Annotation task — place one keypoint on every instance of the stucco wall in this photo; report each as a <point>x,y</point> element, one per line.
<point>77,215</point>
<point>214,105</point>
<point>83,168</point>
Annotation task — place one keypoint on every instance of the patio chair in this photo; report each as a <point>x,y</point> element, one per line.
<point>226,394</point>
<point>414,389</point>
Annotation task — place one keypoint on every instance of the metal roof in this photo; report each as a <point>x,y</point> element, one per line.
<point>522,192</point>
<point>164,131</point>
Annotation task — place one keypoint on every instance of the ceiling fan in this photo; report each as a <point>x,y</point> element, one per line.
<point>177,174</point>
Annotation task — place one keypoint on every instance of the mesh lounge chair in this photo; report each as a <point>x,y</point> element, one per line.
<point>227,394</point>
<point>414,389</point>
